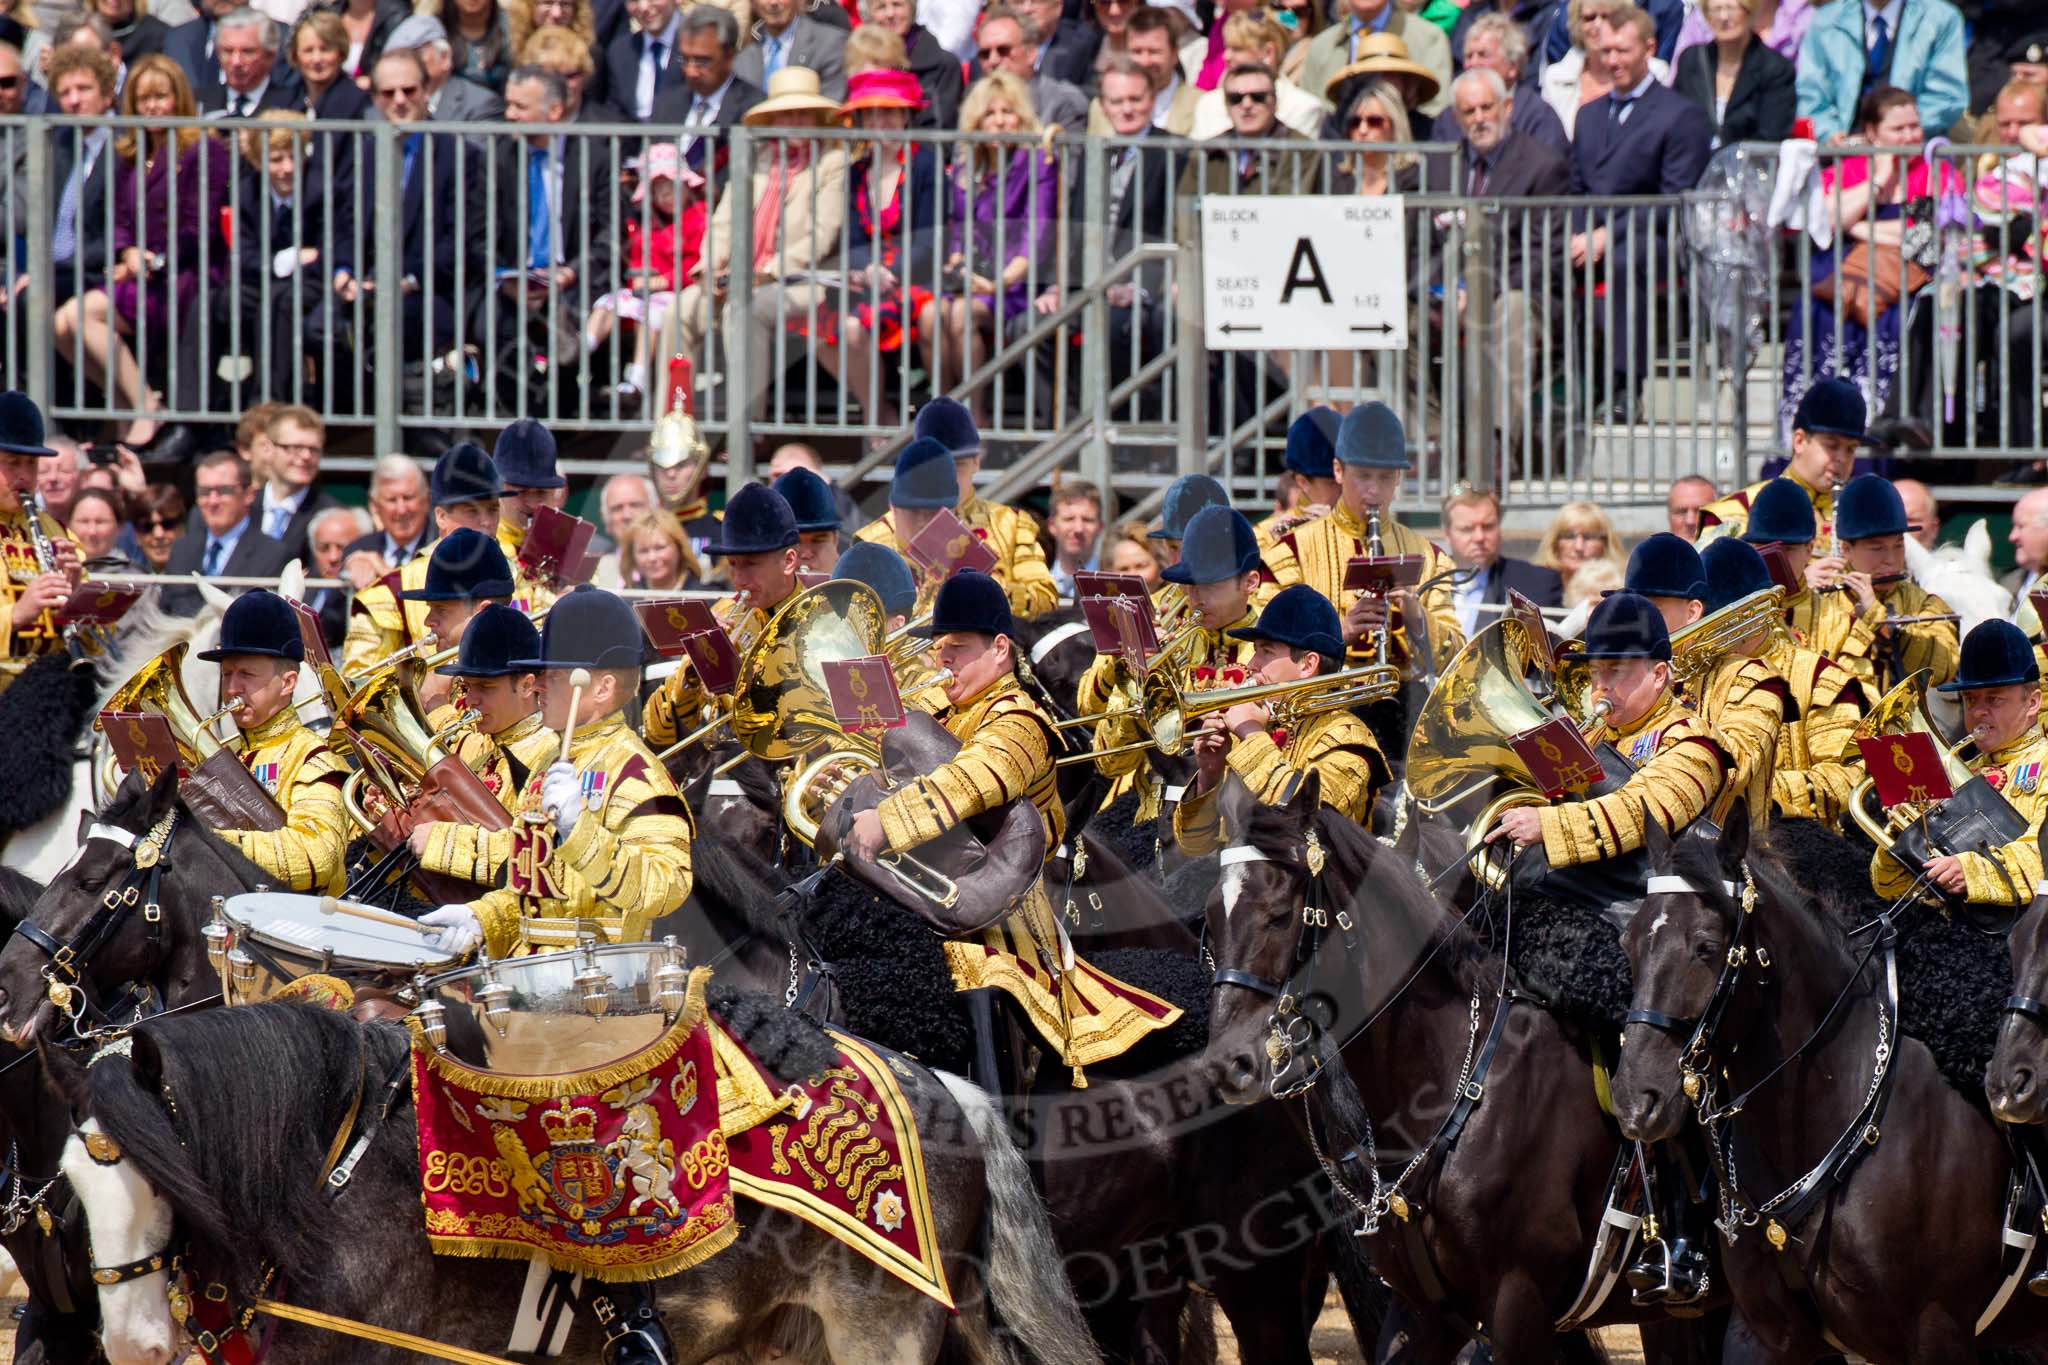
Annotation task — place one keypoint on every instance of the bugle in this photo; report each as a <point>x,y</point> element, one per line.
<point>1168,709</point>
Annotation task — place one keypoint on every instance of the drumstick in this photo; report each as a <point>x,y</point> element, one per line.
<point>330,905</point>
<point>578,680</point>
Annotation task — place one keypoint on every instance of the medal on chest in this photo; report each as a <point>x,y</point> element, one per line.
<point>265,773</point>
<point>1645,746</point>
<point>2026,776</point>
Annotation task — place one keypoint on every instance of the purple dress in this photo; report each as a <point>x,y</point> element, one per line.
<point>1023,195</point>
<point>147,302</point>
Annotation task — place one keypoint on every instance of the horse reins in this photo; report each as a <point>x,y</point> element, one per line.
<point>69,989</point>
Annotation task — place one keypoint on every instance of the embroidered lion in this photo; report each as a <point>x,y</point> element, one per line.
<point>519,1169</point>
<point>647,1157</point>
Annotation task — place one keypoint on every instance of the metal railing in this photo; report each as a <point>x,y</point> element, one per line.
<point>455,276</point>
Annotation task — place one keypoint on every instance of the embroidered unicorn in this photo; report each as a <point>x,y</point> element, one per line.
<point>648,1158</point>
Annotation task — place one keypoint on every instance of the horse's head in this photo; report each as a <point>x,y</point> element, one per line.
<point>2016,1082</point>
<point>92,913</point>
<point>1678,945</point>
<point>131,1227</point>
<point>1255,923</point>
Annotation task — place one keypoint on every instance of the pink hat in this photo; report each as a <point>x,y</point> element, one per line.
<point>664,161</point>
<point>881,89</point>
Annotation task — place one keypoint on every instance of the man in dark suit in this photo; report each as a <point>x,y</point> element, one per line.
<point>1639,139</point>
<point>225,542</point>
<point>450,98</point>
<point>1140,210</point>
<point>291,496</point>
<point>327,539</point>
<point>1497,43</point>
<point>83,84</point>
<point>245,75</point>
<point>1472,527</point>
<point>398,500</point>
<point>710,95</point>
<point>1066,46</point>
<point>640,66</point>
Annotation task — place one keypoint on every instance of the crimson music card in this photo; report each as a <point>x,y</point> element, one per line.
<point>1089,584</point>
<point>97,604</point>
<point>666,620</point>
<point>2040,601</point>
<point>557,548</point>
<point>947,546</point>
<point>864,694</point>
<point>1381,574</point>
<point>1556,756</point>
<point>1120,624</point>
<point>142,743</point>
<point>310,634</point>
<point>1542,649</point>
<point>1906,768</point>
<point>716,661</point>
<point>1773,554</point>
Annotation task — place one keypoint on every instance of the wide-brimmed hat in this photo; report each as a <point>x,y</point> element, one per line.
<point>881,89</point>
<point>794,89</point>
<point>1384,56</point>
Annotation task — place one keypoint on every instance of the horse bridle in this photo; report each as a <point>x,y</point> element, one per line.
<point>2019,1002</point>
<point>66,974</point>
<point>1293,1027</point>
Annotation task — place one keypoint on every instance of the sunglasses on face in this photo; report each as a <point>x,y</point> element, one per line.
<point>1372,123</point>
<point>10,82</point>
<point>156,524</point>
<point>1250,97</point>
<point>999,52</point>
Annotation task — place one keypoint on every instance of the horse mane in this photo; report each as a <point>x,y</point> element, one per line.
<point>734,877</point>
<point>1807,861</point>
<point>146,631</point>
<point>18,895</point>
<point>180,1107</point>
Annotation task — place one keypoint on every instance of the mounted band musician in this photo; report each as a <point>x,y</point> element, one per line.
<point>259,654</point>
<point>893,580</point>
<point>2000,685</point>
<point>1826,429</point>
<point>508,743</point>
<point>41,559</point>
<point>1006,754</point>
<point>601,838</point>
<point>811,501</point>
<point>1818,761</point>
<point>1186,498</point>
<point>465,491</point>
<point>1872,619</point>
<point>524,456</point>
<point>466,572</point>
<point>1310,462</point>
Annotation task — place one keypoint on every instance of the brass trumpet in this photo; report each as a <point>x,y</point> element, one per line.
<point>1167,708</point>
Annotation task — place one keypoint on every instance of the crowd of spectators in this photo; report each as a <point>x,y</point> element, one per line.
<point>625,246</point>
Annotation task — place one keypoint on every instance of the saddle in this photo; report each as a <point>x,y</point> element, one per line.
<point>993,858</point>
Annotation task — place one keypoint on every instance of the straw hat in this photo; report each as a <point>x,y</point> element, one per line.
<point>1385,56</point>
<point>881,89</point>
<point>793,89</point>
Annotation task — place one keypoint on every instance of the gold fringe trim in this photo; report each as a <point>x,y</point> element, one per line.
<point>572,1083</point>
<point>688,1258</point>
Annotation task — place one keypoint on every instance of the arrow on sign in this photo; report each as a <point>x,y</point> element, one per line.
<point>1381,327</point>
<point>1242,327</point>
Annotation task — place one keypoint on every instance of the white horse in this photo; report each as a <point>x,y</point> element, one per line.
<point>1961,576</point>
<point>42,849</point>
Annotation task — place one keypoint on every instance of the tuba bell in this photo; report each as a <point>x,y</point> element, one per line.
<point>384,716</point>
<point>1697,649</point>
<point>156,689</point>
<point>1903,711</point>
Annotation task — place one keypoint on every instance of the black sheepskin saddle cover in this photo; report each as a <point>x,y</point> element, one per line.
<point>1567,954</point>
<point>42,713</point>
<point>1186,887</point>
<point>1953,979</point>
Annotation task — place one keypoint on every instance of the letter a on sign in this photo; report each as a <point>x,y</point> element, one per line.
<point>1304,271</point>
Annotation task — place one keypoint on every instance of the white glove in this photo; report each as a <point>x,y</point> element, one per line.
<point>460,930</point>
<point>561,792</point>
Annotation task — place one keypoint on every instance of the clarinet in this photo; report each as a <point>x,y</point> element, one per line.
<point>1374,549</point>
<point>46,557</point>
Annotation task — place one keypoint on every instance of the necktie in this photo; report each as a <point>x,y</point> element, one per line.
<point>275,521</point>
<point>1880,60</point>
<point>539,246</point>
<point>1621,104</point>
<point>412,156</point>
<point>771,59</point>
<point>212,565</point>
<point>238,107</point>
<point>700,110</point>
<point>64,235</point>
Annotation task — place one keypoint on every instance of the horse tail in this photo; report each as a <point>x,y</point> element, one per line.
<point>129,1111</point>
<point>1027,1284</point>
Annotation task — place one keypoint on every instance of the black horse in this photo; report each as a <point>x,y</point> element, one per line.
<point>2016,1083</point>
<point>1862,1195</point>
<point>1459,1115</point>
<point>222,1164</point>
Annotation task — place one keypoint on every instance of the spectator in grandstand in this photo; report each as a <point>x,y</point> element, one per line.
<point>328,539</point>
<point>1578,535</point>
<point>1150,45</point>
<point>1496,43</point>
<point>95,523</point>
<point>447,97</point>
<point>398,504</point>
<point>151,278</point>
<point>1066,46</point>
<point>1639,139</point>
<point>1128,551</point>
<point>1779,25</point>
<point>158,521</point>
<point>1256,38</point>
<point>873,48</point>
<point>1471,520</point>
<point>1574,81</point>
<point>559,50</point>
<point>1140,210</point>
<point>552,223</point>
<point>1007,41</point>
<point>1248,92</point>
<point>937,70</point>
<point>638,66</point>
<point>1339,46</point>
<point>137,32</point>
<point>292,495</point>
<point>1383,58</point>
<point>1884,212</point>
<point>1683,503</point>
<point>319,52</point>
<point>1113,19</point>
<point>625,499</point>
<point>1587,587</point>
<point>1074,521</point>
<point>998,195</point>
<point>1744,85</point>
<point>83,83</point>
<point>367,25</point>
<point>1921,510</point>
<point>1917,46</point>
<point>892,217</point>
<point>245,75</point>
<point>482,39</point>
<point>711,95</point>
<point>226,543</point>
<point>785,34</point>
<point>797,455</point>
<point>656,554</point>
<point>190,43</point>
<point>664,239</point>
<point>1374,116</point>
<point>57,476</point>
<point>88,31</point>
